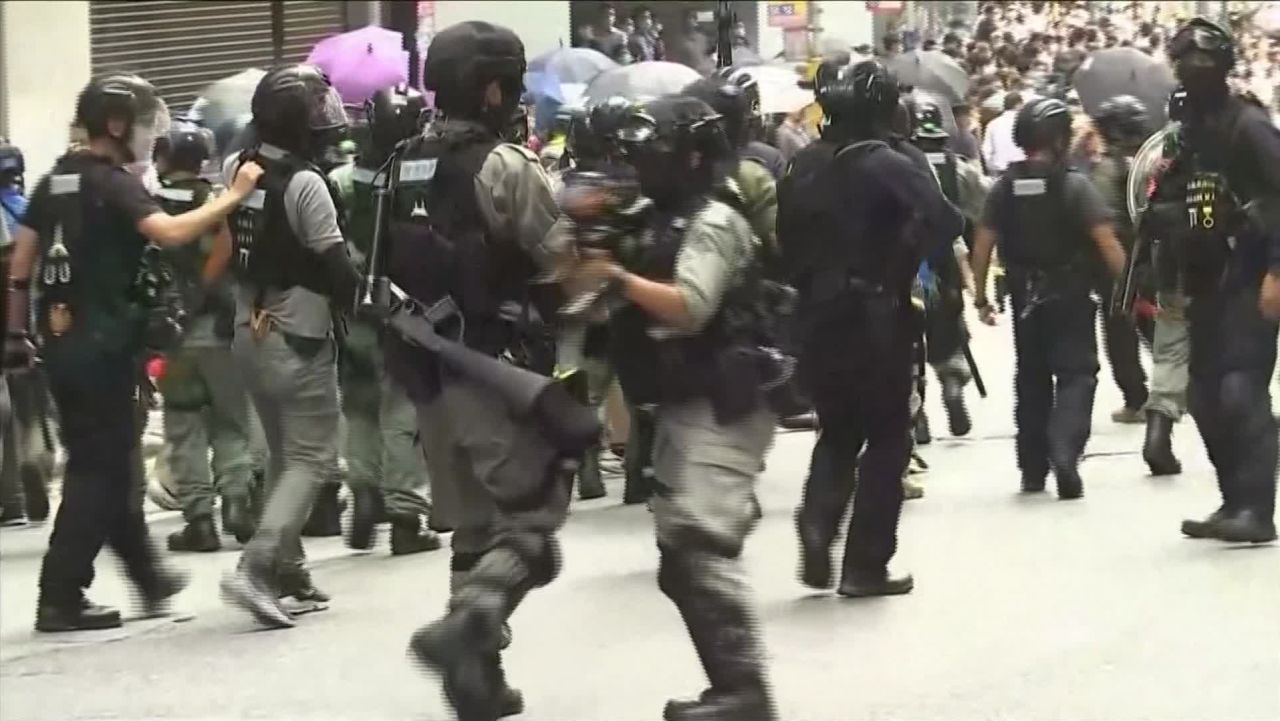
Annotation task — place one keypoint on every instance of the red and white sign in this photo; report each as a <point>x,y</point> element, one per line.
<point>885,8</point>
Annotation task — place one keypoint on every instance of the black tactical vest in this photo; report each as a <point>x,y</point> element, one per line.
<point>187,262</point>
<point>440,248</point>
<point>944,165</point>
<point>267,253</point>
<point>86,282</point>
<point>1212,217</point>
<point>1037,232</point>
<point>721,363</point>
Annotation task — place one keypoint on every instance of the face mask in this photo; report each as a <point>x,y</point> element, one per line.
<point>1202,82</point>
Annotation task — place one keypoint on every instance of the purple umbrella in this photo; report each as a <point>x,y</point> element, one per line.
<point>362,62</point>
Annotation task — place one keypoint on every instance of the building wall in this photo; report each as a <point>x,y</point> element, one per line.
<point>40,92</point>
<point>542,24</point>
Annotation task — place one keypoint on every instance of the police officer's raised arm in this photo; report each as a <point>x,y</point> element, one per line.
<point>169,230</point>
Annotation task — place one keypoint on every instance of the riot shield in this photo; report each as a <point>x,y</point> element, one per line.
<point>1147,164</point>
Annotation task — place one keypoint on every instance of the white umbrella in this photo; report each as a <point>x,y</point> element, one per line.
<point>780,91</point>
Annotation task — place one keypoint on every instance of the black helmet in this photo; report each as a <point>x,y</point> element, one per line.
<point>737,100</point>
<point>1205,35</point>
<point>674,124</point>
<point>461,62</point>
<point>592,136</point>
<point>1123,119</point>
<point>660,137</point>
<point>12,165</point>
<point>929,124</point>
<point>188,146</point>
<point>1042,123</point>
<point>392,115</point>
<point>294,104</point>
<point>865,94</point>
<point>128,98</point>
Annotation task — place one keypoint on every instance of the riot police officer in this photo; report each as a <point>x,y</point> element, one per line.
<point>947,271</point>
<point>384,461</point>
<point>205,404</point>
<point>469,223</point>
<point>90,222</point>
<point>1124,125</point>
<point>1215,214</point>
<point>855,218</point>
<point>584,347</point>
<point>1052,226</point>
<point>293,268</point>
<point>687,339</point>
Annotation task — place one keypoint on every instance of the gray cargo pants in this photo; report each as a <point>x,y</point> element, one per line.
<point>295,391</point>
<point>703,509</point>
<point>1170,358</point>
<point>220,423</point>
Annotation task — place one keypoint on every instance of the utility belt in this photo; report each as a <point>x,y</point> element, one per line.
<point>1034,287</point>
<point>826,286</point>
<point>736,379</point>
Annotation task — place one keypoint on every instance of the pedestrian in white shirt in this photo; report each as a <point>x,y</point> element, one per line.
<point>998,148</point>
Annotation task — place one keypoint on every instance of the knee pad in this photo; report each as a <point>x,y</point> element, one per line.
<point>540,553</point>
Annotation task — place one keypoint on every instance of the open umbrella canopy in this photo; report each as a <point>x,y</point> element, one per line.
<point>1125,71</point>
<point>780,91</point>
<point>223,103</point>
<point>572,65</point>
<point>933,71</point>
<point>362,62</point>
<point>641,81</point>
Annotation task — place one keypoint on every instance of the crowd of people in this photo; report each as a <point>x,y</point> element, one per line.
<point>466,313</point>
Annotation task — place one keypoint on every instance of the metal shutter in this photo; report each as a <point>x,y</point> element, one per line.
<point>307,22</point>
<point>180,46</point>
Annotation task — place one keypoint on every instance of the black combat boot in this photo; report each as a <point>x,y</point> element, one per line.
<point>590,483</point>
<point>728,647</point>
<point>815,557</point>
<point>325,519</point>
<point>957,412</point>
<point>366,507</point>
<point>75,614</point>
<point>1207,528</point>
<point>1070,485</point>
<point>408,536</point>
<point>238,518</point>
<point>1247,526</point>
<point>856,583</point>
<point>198,536</point>
<point>1157,449</point>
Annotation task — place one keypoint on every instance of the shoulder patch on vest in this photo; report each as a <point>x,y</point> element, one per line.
<point>179,195</point>
<point>64,184</point>
<point>1027,187</point>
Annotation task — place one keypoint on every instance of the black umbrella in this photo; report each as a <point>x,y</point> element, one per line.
<point>932,71</point>
<point>641,81</point>
<point>1125,71</point>
<point>223,103</point>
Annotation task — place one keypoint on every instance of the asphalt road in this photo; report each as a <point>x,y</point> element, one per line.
<point>1024,608</point>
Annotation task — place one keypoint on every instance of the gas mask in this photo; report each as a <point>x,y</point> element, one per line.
<point>1204,81</point>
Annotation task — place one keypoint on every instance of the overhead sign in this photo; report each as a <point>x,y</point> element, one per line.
<point>788,14</point>
<point>885,8</point>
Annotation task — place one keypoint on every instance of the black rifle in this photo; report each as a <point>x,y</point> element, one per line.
<point>568,426</point>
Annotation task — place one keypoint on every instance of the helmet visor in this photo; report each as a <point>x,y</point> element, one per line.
<point>327,112</point>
